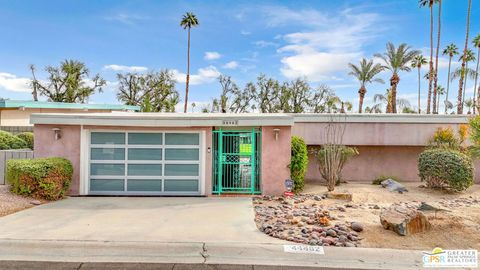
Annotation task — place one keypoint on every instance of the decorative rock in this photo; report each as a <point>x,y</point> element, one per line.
<point>404,220</point>
<point>331,233</point>
<point>393,185</point>
<point>339,196</point>
<point>357,226</point>
<point>35,202</point>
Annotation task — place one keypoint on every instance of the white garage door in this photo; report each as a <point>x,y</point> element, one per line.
<point>145,163</point>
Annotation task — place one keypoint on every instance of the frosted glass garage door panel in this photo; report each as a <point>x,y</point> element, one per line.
<point>144,185</point>
<point>181,185</point>
<point>107,138</point>
<point>144,154</point>
<point>182,139</point>
<point>181,154</point>
<point>107,169</point>
<point>106,185</point>
<point>145,169</point>
<point>145,138</point>
<point>181,170</point>
<point>107,154</point>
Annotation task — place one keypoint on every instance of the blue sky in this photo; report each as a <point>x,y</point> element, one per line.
<point>282,39</point>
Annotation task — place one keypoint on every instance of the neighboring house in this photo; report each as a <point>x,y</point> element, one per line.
<point>204,154</point>
<point>15,114</point>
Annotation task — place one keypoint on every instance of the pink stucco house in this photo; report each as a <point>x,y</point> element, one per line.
<point>204,154</point>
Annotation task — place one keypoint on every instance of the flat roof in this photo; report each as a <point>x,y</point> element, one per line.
<point>7,103</point>
<point>163,119</point>
<point>229,119</point>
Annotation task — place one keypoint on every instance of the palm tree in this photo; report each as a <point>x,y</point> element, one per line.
<point>440,92</point>
<point>365,73</point>
<point>469,104</point>
<point>417,62</point>
<point>385,100</point>
<point>396,60</point>
<point>468,57</point>
<point>189,20</point>
<point>429,4</point>
<point>476,44</point>
<point>460,82</point>
<point>435,79</point>
<point>451,50</point>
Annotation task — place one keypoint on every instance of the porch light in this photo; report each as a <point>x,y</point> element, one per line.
<point>276,131</point>
<point>57,133</point>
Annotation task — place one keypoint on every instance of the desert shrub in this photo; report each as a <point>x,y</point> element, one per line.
<point>27,137</point>
<point>47,178</point>
<point>332,158</point>
<point>446,138</point>
<point>381,178</point>
<point>299,163</point>
<point>446,168</point>
<point>10,141</point>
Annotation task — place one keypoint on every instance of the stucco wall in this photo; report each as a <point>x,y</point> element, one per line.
<point>275,160</point>
<point>68,147</point>
<point>373,134</point>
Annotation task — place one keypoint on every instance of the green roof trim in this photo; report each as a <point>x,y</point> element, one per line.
<point>6,103</point>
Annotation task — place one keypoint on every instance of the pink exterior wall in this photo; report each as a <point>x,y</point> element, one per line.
<point>67,147</point>
<point>275,160</point>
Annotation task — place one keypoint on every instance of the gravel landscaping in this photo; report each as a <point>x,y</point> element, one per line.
<point>313,218</point>
<point>11,203</point>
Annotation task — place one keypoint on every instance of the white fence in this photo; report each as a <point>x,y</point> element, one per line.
<point>11,154</point>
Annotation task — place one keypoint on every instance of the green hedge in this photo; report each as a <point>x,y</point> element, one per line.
<point>446,168</point>
<point>27,137</point>
<point>47,178</point>
<point>10,141</point>
<point>299,163</point>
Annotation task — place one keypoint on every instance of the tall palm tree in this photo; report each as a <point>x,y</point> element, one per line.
<point>460,82</point>
<point>188,21</point>
<point>417,62</point>
<point>435,78</point>
<point>396,60</point>
<point>440,92</point>
<point>468,57</point>
<point>365,73</point>
<point>476,44</point>
<point>451,50</point>
<point>429,4</point>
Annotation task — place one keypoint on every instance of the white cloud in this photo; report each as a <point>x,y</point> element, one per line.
<point>204,75</point>
<point>212,55</point>
<point>331,42</point>
<point>125,68</point>
<point>231,65</point>
<point>11,82</point>
<point>263,44</point>
<point>245,33</point>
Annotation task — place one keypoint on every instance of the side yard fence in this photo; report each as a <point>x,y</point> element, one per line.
<point>11,154</point>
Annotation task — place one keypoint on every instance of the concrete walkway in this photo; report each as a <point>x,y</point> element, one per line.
<point>192,220</point>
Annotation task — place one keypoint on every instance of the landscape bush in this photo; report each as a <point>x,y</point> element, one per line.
<point>27,137</point>
<point>446,138</point>
<point>46,178</point>
<point>381,178</point>
<point>299,163</point>
<point>10,141</point>
<point>446,168</point>
<point>332,158</point>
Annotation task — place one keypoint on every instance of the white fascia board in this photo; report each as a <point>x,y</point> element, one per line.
<point>381,118</point>
<point>163,120</point>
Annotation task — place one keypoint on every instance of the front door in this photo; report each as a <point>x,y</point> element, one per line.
<point>235,162</point>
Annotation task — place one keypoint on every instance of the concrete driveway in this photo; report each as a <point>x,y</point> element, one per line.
<point>222,220</point>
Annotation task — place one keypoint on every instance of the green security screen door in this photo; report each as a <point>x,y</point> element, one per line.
<point>235,162</point>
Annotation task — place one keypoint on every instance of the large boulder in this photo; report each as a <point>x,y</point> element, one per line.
<point>404,220</point>
<point>393,185</point>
